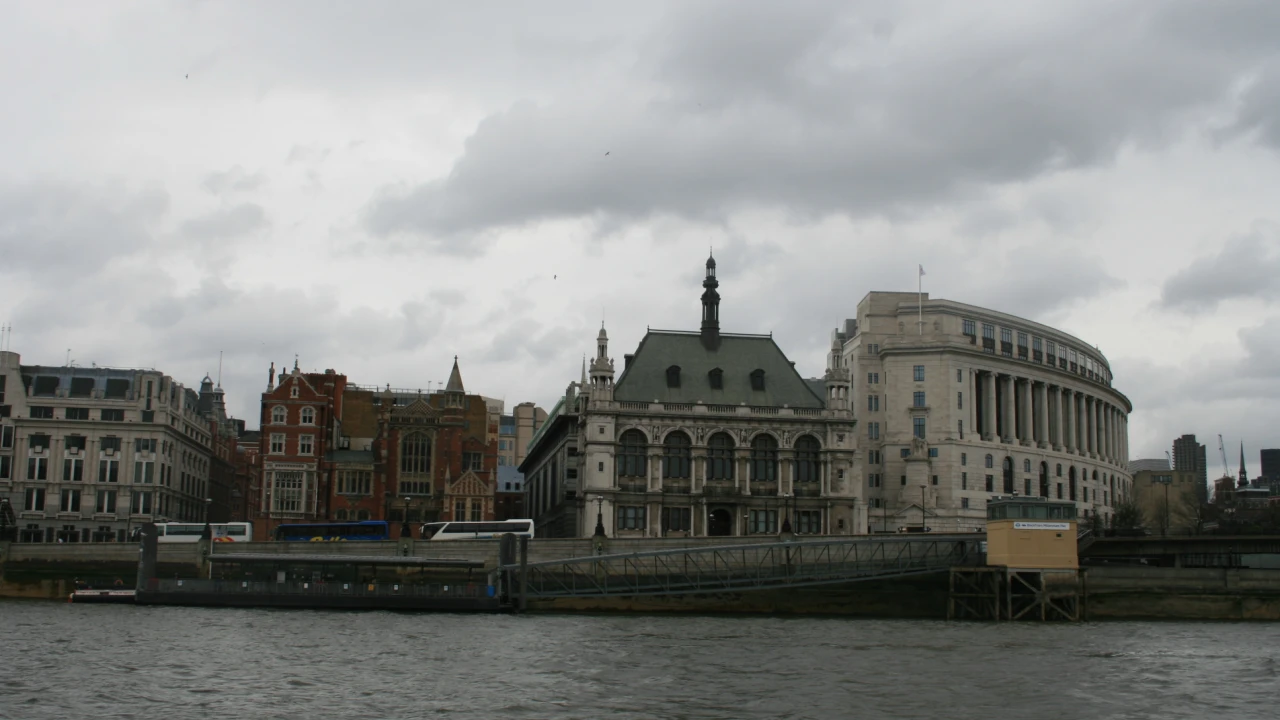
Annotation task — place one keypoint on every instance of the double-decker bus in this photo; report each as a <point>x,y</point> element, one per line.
<point>334,532</point>
<point>476,530</point>
<point>190,532</point>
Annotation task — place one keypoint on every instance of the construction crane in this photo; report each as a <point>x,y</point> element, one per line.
<point>1222,450</point>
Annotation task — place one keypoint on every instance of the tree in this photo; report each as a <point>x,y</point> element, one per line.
<point>1128,515</point>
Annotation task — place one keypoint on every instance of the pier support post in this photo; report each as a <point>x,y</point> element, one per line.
<point>524,573</point>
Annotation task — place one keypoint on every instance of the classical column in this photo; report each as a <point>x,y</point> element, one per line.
<point>989,406</point>
<point>1081,437</point>
<point>1068,420</point>
<point>1107,428</point>
<point>1027,436</point>
<point>1091,425</point>
<point>741,478</point>
<point>1042,414</point>
<point>971,391</point>
<point>1060,419</point>
<point>1007,410</point>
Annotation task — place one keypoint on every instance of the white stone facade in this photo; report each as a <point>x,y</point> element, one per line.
<point>957,403</point>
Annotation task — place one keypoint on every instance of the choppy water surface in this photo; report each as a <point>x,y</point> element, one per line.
<point>72,661</point>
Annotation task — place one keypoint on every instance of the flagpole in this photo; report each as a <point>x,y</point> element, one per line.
<point>920,299</point>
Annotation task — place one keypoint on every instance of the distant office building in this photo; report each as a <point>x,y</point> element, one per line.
<point>1189,456</point>
<point>1169,498</point>
<point>87,454</point>
<point>510,494</point>
<point>1271,465</point>
<point>516,430</point>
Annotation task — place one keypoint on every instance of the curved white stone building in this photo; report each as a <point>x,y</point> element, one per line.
<point>957,403</point>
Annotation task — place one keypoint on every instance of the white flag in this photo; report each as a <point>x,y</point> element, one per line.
<point>921,271</point>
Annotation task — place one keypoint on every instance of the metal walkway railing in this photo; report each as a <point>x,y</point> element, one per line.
<point>742,567</point>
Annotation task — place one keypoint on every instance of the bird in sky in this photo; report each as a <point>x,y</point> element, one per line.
<point>606,153</point>
<point>553,277</point>
<point>186,77</point>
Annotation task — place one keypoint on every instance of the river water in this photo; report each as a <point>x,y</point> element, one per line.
<point>76,661</point>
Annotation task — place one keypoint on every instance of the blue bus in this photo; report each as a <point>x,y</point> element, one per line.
<point>334,532</point>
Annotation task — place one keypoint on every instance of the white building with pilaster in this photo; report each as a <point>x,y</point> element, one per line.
<point>957,403</point>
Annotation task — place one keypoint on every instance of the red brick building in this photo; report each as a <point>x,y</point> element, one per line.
<point>300,422</point>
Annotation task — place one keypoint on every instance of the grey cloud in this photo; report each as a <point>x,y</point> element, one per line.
<point>232,181</point>
<point>814,110</point>
<point>1260,107</point>
<point>1246,267</point>
<point>75,227</point>
<point>308,154</point>
<point>227,222</point>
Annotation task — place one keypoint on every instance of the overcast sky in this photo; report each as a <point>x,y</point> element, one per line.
<point>379,186</point>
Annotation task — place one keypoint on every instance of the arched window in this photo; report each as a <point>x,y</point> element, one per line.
<point>807,459</point>
<point>632,447</point>
<point>757,380</point>
<point>1026,466</point>
<point>415,455</point>
<point>720,457</point>
<point>676,453</point>
<point>278,415</point>
<point>764,459</point>
<point>673,376</point>
<point>716,377</point>
<point>1006,466</point>
<point>340,515</point>
<point>1059,474</point>
<point>991,463</point>
<point>1095,476</point>
<point>308,416</point>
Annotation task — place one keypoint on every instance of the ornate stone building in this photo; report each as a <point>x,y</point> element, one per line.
<point>957,403</point>
<point>703,433</point>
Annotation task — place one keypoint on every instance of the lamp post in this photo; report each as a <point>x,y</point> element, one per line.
<point>599,516</point>
<point>786,512</point>
<point>406,530</point>
<point>1164,480</point>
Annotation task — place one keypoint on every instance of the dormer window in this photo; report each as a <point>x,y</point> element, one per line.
<point>293,390</point>
<point>673,376</point>
<point>757,379</point>
<point>717,379</point>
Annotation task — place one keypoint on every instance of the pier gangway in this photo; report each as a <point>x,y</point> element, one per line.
<point>737,568</point>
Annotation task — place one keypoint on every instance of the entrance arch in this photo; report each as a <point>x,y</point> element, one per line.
<point>719,523</point>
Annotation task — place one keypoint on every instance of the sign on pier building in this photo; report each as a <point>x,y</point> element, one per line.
<point>1031,532</point>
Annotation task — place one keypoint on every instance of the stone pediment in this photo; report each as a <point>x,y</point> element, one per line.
<point>416,410</point>
<point>468,484</point>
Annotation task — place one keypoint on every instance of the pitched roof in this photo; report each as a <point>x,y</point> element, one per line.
<point>455,378</point>
<point>645,378</point>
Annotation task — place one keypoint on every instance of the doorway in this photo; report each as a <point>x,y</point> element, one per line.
<point>719,523</point>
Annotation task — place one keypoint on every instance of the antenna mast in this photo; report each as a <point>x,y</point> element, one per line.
<point>219,368</point>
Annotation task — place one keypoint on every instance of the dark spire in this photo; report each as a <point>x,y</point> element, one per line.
<point>455,379</point>
<point>1244,475</point>
<point>710,308</point>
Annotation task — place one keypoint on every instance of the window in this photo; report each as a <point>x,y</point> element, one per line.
<point>1059,473</point>
<point>116,390</point>
<point>631,454</point>
<point>475,461</point>
<point>904,452</point>
<point>414,487</point>
<point>1026,487</point>
<point>415,454</point>
<point>934,480</point>
<point>6,467</point>
<point>673,376</point>
<point>959,376</point>
<point>356,482</point>
<point>933,453</point>
<point>873,349</point>
<point>34,500</point>
<point>757,379</point>
<point>716,378</point>
<point>959,401</point>
<point>677,519</point>
<point>873,403</point>
<point>74,443</point>
<point>631,517</point>
<point>38,441</point>
<point>917,427</point>
<point>970,328</point>
<point>873,480</point>
<point>81,387</point>
<point>477,510</point>
<point>308,416</point>
<point>990,461</point>
<point>73,470</point>
<point>917,399</point>
<point>964,481</point>
<point>141,504</point>
<point>113,416</point>
<point>763,521</point>
<point>278,415</point>
<point>106,501</point>
<point>110,444</point>
<point>1059,491</point>
<point>873,378</point>
<point>70,501</point>
<point>964,458</point>
<point>37,468</point>
<point>143,472</point>
<point>873,431</point>
<point>764,459</point>
<point>1037,349</point>
<point>903,480</point>
<point>3,378</point>
<point>964,503</point>
<point>808,522</point>
<point>807,468</point>
<point>286,491</point>
<point>1022,345</point>
<point>991,483</point>
<point>306,444</point>
<point>873,457</point>
<point>917,373</point>
<point>144,445</point>
<point>6,436</point>
<point>277,443</point>
<point>41,412</point>
<point>720,457</point>
<point>293,390</point>
<point>1026,466</point>
<point>988,338</point>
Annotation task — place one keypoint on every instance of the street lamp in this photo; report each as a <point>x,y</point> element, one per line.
<point>406,530</point>
<point>786,510</point>
<point>599,516</point>
<point>1164,480</point>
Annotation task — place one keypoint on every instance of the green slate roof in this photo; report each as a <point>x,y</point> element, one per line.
<point>645,378</point>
